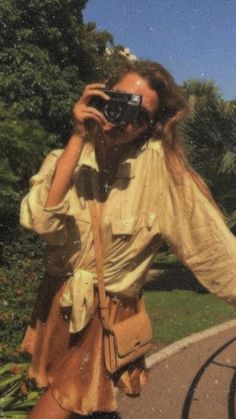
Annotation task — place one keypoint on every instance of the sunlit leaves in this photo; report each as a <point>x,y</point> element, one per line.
<point>50,58</point>
<point>17,395</point>
<point>228,162</point>
<point>210,137</point>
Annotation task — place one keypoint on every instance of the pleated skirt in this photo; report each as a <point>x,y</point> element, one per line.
<point>73,364</point>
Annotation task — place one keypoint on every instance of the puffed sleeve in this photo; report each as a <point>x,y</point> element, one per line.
<point>199,236</point>
<point>49,222</point>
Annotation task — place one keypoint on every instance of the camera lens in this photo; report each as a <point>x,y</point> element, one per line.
<point>113,111</point>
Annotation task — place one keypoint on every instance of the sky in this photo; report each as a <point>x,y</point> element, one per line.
<point>193,39</point>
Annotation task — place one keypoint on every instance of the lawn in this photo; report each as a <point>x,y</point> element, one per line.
<point>178,313</point>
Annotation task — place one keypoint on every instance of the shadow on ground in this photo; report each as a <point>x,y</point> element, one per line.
<point>99,415</point>
<point>197,378</point>
<point>168,279</point>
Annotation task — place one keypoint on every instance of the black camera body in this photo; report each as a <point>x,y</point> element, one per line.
<point>122,107</point>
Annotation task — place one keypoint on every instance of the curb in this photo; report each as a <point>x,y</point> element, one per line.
<point>178,346</point>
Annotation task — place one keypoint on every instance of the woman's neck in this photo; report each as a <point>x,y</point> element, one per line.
<point>109,159</point>
<point>110,156</point>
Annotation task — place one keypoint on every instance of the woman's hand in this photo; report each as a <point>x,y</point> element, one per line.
<point>68,160</point>
<point>82,111</point>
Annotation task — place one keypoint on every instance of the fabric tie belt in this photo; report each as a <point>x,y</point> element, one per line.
<point>79,294</point>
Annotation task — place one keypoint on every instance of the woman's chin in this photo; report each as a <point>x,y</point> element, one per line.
<point>115,135</point>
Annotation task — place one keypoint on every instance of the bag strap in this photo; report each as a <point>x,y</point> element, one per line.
<point>103,304</point>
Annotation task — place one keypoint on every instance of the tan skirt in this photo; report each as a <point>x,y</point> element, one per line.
<point>73,364</point>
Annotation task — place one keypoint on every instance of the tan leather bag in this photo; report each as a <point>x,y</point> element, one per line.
<point>129,339</point>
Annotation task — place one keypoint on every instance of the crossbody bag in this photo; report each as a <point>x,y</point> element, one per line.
<point>129,339</point>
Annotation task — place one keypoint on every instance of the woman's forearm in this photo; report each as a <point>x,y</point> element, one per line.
<point>64,170</point>
<point>67,162</point>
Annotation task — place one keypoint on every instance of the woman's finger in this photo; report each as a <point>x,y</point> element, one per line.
<point>90,112</point>
<point>82,112</point>
<point>94,92</point>
<point>95,86</point>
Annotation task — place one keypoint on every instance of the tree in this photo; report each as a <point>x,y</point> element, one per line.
<point>210,136</point>
<point>47,56</point>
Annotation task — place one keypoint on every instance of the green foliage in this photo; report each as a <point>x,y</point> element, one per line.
<point>200,89</point>
<point>17,394</point>
<point>23,144</point>
<point>232,219</point>
<point>166,258</point>
<point>8,182</point>
<point>48,55</point>
<point>20,273</point>
<point>210,137</point>
<point>228,162</point>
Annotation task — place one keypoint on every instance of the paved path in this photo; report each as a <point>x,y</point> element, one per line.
<point>199,382</point>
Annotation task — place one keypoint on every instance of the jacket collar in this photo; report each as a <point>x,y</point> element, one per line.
<point>127,166</point>
<point>88,157</point>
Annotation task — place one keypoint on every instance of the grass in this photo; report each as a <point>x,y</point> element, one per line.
<point>177,314</point>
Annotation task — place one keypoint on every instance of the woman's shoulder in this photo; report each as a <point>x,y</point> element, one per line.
<point>51,157</point>
<point>47,165</point>
<point>55,153</point>
<point>147,163</point>
<point>155,145</point>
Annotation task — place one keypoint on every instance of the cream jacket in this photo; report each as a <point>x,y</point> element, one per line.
<point>143,208</point>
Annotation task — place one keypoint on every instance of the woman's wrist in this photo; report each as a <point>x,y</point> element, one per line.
<point>77,139</point>
<point>79,129</point>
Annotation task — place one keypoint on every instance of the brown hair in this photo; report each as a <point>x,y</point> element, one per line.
<point>171,111</point>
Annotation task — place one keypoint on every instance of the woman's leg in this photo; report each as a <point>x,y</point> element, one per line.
<point>48,408</point>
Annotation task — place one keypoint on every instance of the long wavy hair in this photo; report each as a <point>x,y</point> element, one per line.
<point>172,110</point>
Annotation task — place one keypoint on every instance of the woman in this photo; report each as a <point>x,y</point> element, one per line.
<point>139,176</point>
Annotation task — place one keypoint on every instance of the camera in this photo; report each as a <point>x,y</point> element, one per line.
<point>121,107</point>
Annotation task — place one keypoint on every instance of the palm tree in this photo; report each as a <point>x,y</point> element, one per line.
<point>210,137</point>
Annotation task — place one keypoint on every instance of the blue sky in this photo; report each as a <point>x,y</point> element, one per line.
<point>194,39</point>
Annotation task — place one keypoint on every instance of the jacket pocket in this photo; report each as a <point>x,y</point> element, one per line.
<point>133,224</point>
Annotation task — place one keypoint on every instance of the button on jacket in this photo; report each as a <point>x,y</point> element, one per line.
<point>143,208</point>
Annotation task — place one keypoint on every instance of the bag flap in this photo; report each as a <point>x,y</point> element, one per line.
<point>132,334</point>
